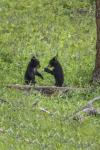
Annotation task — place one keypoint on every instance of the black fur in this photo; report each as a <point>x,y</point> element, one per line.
<point>57,71</point>
<point>31,71</point>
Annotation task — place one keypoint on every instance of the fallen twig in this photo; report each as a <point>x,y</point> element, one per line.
<point>46,111</point>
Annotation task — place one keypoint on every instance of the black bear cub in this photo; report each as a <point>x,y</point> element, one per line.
<point>31,71</point>
<point>57,71</point>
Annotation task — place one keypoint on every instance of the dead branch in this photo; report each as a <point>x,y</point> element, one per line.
<point>20,87</point>
<point>88,109</point>
<point>92,111</point>
<point>46,111</point>
<point>41,88</point>
<point>90,103</point>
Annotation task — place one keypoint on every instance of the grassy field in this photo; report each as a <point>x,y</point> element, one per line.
<point>45,28</point>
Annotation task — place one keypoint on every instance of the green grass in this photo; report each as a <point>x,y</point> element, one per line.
<point>45,28</point>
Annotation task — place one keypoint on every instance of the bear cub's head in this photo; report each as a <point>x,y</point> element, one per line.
<point>35,62</point>
<point>53,62</point>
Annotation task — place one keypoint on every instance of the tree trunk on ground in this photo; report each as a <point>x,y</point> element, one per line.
<point>96,72</point>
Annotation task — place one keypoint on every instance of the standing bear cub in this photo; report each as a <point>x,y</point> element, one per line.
<point>57,71</point>
<point>31,71</point>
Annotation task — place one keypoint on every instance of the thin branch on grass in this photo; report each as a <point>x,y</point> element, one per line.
<point>46,111</point>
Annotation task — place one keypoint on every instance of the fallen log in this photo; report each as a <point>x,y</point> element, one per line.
<point>40,88</point>
<point>46,90</point>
